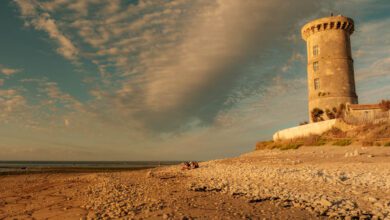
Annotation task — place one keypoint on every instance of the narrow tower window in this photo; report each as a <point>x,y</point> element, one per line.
<point>316,84</point>
<point>315,66</point>
<point>315,50</point>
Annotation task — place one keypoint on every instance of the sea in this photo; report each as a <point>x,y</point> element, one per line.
<point>20,167</point>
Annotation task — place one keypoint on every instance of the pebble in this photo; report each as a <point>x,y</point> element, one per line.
<point>326,203</point>
<point>372,199</point>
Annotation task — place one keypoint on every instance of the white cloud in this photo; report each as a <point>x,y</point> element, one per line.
<point>218,39</point>
<point>66,47</point>
<point>66,122</point>
<point>55,95</point>
<point>295,57</point>
<point>27,7</point>
<point>372,49</point>
<point>30,11</point>
<point>11,103</point>
<point>8,71</point>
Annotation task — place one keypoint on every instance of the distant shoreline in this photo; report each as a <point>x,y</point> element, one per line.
<point>43,170</point>
<point>39,167</point>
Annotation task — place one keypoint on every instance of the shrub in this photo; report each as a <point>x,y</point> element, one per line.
<point>340,112</point>
<point>385,105</point>
<point>387,144</point>
<point>330,114</point>
<point>377,131</point>
<point>303,123</point>
<point>261,145</point>
<point>314,140</point>
<point>342,142</point>
<point>335,133</point>
<point>383,131</point>
<point>367,143</point>
<point>291,146</point>
<point>277,145</point>
<point>316,114</point>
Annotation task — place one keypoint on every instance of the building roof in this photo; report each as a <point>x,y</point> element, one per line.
<point>364,107</point>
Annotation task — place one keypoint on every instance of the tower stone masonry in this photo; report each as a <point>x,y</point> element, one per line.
<point>330,72</point>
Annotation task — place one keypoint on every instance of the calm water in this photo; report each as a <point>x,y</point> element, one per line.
<point>77,166</point>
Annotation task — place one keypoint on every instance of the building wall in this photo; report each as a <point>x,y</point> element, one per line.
<point>335,73</point>
<point>304,130</point>
<point>368,113</point>
<point>361,116</point>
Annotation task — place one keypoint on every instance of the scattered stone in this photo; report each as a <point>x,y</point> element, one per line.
<point>333,190</point>
<point>149,174</point>
<point>355,153</point>
<point>325,191</point>
<point>372,199</point>
<point>325,203</point>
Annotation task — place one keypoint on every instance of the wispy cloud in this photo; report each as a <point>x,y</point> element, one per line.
<point>373,49</point>
<point>8,71</point>
<point>166,64</point>
<point>12,103</point>
<point>182,70</point>
<point>31,11</point>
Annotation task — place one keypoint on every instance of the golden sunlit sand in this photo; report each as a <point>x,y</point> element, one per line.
<point>308,183</point>
<point>124,195</point>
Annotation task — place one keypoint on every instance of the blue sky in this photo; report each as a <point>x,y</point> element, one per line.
<point>166,79</point>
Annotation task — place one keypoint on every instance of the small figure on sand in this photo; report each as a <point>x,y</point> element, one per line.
<point>194,164</point>
<point>190,165</point>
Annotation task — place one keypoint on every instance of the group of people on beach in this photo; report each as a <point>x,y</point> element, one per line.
<point>190,165</point>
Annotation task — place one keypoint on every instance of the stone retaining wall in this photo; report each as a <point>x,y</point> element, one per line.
<point>305,130</point>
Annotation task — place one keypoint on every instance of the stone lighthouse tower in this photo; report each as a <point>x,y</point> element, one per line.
<point>330,73</point>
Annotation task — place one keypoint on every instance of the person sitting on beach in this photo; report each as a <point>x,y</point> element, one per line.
<point>190,165</point>
<point>194,164</point>
<point>186,166</point>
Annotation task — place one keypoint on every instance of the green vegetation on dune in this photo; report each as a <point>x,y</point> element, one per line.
<point>342,142</point>
<point>291,146</point>
<point>314,140</point>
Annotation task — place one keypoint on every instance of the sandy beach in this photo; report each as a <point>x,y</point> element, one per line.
<point>309,183</point>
